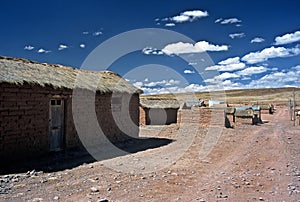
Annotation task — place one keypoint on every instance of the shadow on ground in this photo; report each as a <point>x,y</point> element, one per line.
<point>58,161</point>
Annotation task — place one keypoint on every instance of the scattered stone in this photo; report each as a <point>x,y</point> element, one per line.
<point>36,200</point>
<point>261,199</point>
<point>94,189</point>
<point>103,200</point>
<point>108,189</point>
<point>55,198</point>
<point>43,181</point>
<point>52,178</point>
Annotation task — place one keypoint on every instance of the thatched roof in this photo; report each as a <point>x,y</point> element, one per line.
<point>19,71</point>
<point>246,113</point>
<point>159,103</point>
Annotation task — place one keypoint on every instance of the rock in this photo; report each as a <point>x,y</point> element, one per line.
<point>55,198</point>
<point>94,189</point>
<point>103,200</point>
<point>32,172</point>
<point>108,189</point>
<point>36,200</point>
<point>261,199</point>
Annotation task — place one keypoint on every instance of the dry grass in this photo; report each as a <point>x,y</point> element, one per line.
<point>20,71</point>
<point>159,103</point>
<point>242,96</point>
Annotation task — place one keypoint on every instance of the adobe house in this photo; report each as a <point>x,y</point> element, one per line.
<point>155,111</point>
<point>37,108</point>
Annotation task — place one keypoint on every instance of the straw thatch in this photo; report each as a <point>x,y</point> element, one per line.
<point>159,103</point>
<point>19,71</point>
<point>245,113</point>
<point>266,106</point>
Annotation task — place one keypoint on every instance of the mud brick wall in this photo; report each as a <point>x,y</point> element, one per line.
<point>159,116</point>
<point>24,119</point>
<point>201,116</point>
<point>240,120</point>
<point>143,115</point>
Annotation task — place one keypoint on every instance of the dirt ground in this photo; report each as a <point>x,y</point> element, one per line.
<point>244,163</point>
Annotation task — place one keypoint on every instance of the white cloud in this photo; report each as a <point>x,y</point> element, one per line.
<point>277,79</point>
<point>85,32</point>
<point>221,77</point>
<point>28,47</point>
<point>201,46</point>
<point>252,70</point>
<point>180,18</point>
<point>229,67</point>
<point>228,21</point>
<point>257,40</point>
<point>41,50</point>
<point>218,20</point>
<point>226,75</point>
<point>230,64</point>
<point>192,63</point>
<point>170,24</point>
<point>187,16</point>
<point>188,71</point>
<point>271,52</point>
<point>138,84</point>
<point>152,51</point>
<point>297,68</point>
<point>62,47</point>
<point>170,82</point>
<point>288,38</point>
<point>82,45</point>
<point>196,13</point>
<point>98,33</point>
<point>229,61</point>
<point>237,35</point>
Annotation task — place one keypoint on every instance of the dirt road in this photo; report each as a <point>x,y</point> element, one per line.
<point>247,163</point>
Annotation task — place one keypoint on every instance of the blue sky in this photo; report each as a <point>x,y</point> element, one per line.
<point>250,44</point>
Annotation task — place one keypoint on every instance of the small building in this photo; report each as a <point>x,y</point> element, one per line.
<point>40,113</point>
<point>189,104</point>
<point>155,111</point>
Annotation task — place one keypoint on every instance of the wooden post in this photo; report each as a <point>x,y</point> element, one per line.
<point>290,108</point>
<point>294,108</point>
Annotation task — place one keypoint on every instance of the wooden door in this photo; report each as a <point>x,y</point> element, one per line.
<point>56,124</point>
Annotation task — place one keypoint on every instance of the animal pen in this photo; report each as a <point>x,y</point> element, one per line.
<point>37,108</point>
<point>158,111</point>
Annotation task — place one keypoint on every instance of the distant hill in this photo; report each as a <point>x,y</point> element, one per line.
<point>247,96</point>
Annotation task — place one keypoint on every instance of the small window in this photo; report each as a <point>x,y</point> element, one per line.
<point>53,102</point>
